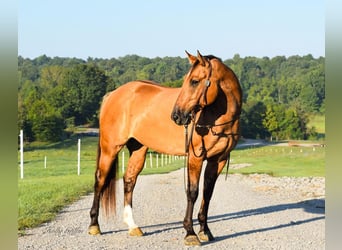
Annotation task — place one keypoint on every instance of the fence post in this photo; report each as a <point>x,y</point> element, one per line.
<point>157,160</point>
<point>45,161</point>
<point>123,162</point>
<point>79,157</point>
<point>151,165</point>
<point>21,154</point>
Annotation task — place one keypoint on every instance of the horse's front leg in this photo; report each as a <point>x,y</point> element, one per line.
<point>194,172</point>
<point>212,170</point>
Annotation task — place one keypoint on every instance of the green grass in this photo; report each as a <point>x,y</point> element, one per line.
<point>45,191</point>
<point>281,161</point>
<point>39,200</point>
<point>318,122</point>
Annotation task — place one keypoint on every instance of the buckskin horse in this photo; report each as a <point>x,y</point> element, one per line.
<point>143,114</point>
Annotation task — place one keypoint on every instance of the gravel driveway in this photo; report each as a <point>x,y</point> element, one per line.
<point>246,212</point>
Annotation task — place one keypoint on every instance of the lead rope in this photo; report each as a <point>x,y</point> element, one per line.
<point>228,160</point>
<point>186,158</point>
<point>187,146</point>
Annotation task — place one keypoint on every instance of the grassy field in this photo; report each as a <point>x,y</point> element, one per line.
<point>280,161</point>
<point>44,191</point>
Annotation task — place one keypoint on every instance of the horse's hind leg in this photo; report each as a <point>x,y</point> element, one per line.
<point>104,179</point>
<point>135,165</point>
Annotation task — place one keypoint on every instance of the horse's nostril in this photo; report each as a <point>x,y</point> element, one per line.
<point>174,116</point>
<point>180,118</point>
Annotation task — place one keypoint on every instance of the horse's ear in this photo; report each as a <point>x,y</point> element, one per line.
<point>192,59</point>
<point>201,59</point>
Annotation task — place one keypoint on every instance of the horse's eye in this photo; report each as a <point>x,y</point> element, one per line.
<point>194,82</point>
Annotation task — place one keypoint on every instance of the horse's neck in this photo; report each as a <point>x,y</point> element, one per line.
<point>232,94</point>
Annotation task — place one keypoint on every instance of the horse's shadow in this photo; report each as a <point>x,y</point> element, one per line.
<point>314,206</point>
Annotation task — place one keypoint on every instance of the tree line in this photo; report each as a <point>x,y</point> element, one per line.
<point>57,94</point>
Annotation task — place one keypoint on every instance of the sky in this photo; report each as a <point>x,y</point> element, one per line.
<point>156,28</point>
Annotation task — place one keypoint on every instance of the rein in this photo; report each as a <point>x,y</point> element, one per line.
<point>210,127</point>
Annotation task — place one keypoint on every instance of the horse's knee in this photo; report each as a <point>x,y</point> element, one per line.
<point>129,184</point>
<point>192,193</point>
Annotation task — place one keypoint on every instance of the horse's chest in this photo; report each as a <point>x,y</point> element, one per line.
<point>210,145</point>
<point>216,145</point>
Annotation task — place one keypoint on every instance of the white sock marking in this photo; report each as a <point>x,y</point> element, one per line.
<point>128,217</point>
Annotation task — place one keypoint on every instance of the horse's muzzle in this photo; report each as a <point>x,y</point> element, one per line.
<point>180,118</point>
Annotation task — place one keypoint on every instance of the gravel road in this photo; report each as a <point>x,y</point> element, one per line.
<point>246,212</point>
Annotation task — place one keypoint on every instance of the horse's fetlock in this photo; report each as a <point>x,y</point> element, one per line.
<point>202,218</point>
<point>187,224</point>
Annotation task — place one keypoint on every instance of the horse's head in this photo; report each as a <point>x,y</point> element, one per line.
<point>198,90</point>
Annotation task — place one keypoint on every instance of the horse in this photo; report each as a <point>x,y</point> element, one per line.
<point>143,114</point>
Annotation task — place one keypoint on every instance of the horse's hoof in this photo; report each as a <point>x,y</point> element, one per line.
<point>94,230</point>
<point>192,240</point>
<point>205,236</point>
<point>135,232</point>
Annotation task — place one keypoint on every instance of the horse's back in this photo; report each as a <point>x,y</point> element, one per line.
<point>138,95</point>
<point>135,89</point>
<point>142,110</point>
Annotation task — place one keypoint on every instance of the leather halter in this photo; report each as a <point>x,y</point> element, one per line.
<point>204,94</point>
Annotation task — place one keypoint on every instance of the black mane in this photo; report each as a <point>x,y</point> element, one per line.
<point>210,57</point>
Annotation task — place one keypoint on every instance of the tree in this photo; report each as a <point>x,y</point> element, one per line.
<point>51,76</point>
<point>271,121</point>
<point>46,123</point>
<point>285,123</point>
<point>252,117</point>
<point>291,125</point>
<point>83,90</point>
<point>26,99</point>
